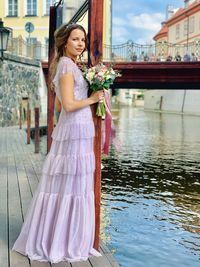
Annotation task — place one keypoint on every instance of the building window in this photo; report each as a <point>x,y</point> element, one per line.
<point>177,31</point>
<point>191,25</point>
<point>31,7</point>
<point>47,6</point>
<point>13,8</point>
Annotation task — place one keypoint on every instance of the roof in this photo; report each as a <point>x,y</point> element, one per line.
<point>162,33</point>
<point>180,14</point>
<point>191,9</point>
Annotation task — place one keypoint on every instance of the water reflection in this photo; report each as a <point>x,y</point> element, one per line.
<point>151,190</point>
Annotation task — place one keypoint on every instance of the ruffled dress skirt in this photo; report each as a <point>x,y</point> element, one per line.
<point>60,223</point>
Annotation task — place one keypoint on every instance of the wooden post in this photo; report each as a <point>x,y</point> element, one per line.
<point>95,33</point>
<point>51,95</point>
<point>37,130</point>
<point>20,116</point>
<point>28,124</point>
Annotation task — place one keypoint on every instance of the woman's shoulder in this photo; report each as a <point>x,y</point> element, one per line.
<point>65,65</point>
<point>66,60</point>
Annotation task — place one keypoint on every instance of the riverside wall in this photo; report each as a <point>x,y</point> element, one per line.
<point>19,84</point>
<point>177,101</point>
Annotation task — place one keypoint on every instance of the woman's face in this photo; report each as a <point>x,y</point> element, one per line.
<point>75,44</point>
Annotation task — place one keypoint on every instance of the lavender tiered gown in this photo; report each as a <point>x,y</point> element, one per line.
<point>59,225</point>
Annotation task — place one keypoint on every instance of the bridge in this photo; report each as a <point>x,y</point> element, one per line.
<point>158,75</point>
<point>153,66</point>
<point>154,75</point>
<point>156,66</point>
<point>149,66</point>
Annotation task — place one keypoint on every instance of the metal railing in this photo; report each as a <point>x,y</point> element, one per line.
<point>160,51</point>
<point>129,51</point>
<point>19,47</point>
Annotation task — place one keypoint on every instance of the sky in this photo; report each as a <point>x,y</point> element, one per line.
<point>139,20</point>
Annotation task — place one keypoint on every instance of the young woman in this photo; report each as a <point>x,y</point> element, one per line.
<point>59,225</point>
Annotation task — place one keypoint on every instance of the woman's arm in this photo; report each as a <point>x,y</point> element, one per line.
<point>57,105</point>
<point>67,95</point>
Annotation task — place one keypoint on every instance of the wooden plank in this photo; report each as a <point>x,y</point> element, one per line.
<point>15,215</point>
<point>40,264</point>
<point>104,247</point>
<point>36,165</point>
<point>8,143</point>
<point>31,175</point>
<point>61,264</point>
<point>95,30</point>
<point>22,137</point>
<point>24,187</point>
<point>3,211</point>
<point>30,172</point>
<point>104,250</point>
<point>99,261</point>
<point>81,264</point>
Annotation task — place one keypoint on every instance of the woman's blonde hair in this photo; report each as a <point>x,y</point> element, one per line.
<point>61,36</point>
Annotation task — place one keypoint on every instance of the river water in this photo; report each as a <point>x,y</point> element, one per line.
<point>151,190</point>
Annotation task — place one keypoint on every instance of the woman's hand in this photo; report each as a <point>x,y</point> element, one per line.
<point>97,96</point>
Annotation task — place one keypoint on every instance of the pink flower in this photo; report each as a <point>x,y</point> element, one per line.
<point>99,78</point>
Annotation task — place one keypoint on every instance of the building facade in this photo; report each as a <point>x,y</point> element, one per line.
<point>182,31</point>
<point>180,34</point>
<point>29,19</point>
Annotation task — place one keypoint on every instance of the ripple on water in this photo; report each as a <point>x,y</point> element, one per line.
<point>150,191</point>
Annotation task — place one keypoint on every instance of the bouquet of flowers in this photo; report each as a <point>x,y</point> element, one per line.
<point>100,77</point>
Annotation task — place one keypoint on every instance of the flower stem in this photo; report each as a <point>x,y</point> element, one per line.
<point>101,109</point>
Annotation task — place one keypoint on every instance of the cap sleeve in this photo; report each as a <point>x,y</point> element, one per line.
<point>65,66</point>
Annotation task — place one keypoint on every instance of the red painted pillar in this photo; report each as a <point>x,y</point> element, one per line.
<point>95,34</point>
<point>51,95</point>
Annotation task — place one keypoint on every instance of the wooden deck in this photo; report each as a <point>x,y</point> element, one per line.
<point>19,174</point>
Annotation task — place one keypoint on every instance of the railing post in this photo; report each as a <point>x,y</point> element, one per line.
<point>20,42</point>
<point>20,116</point>
<point>129,50</point>
<point>28,124</point>
<point>95,30</point>
<point>37,130</point>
